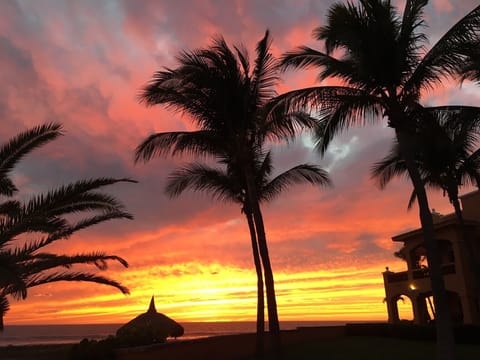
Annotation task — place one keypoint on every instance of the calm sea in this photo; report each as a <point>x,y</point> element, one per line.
<point>63,334</point>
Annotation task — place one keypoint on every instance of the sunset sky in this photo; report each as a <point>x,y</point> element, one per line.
<point>82,63</point>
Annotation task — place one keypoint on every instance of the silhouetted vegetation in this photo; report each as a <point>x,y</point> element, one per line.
<point>447,154</point>
<point>45,218</point>
<point>380,56</point>
<point>228,184</point>
<point>229,102</point>
<point>105,349</point>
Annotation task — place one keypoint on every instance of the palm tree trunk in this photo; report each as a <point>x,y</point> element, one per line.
<point>443,320</point>
<point>3,309</point>
<point>273,323</point>
<point>260,297</point>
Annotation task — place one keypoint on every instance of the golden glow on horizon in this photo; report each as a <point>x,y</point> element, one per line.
<point>217,293</point>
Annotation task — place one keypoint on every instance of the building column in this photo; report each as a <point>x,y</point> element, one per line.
<point>392,309</point>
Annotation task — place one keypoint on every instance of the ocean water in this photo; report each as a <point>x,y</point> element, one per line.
<point>64,334</point>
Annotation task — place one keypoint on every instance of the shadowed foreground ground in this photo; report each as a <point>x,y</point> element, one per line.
<point>326,343</point>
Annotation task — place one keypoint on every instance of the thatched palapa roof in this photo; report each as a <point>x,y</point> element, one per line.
<point>152,324</point>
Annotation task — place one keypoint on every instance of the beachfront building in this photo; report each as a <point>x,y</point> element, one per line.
<point>456,260</point>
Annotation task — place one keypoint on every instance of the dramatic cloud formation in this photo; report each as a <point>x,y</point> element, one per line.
<point>82,63</point>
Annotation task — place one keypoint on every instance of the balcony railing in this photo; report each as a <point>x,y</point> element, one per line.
<point>397,276</point>
<point>393,277</point>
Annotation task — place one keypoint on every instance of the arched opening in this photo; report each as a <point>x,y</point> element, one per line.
<point>400,308</point>
<point>405,308</point>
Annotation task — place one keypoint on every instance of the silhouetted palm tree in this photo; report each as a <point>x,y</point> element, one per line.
<point>228,184</point>
<point>381,58</point>
<point>228,102</point>
<point>447,153</point>
<point>28,265</point>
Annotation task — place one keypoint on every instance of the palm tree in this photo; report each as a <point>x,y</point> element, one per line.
<point>28,265</point>
<point>228,185</point>
<point>228,103</point>
<point>446,154</point>
<point>381,58</point>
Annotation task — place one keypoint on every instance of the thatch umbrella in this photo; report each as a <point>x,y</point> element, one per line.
<point>151,324</point>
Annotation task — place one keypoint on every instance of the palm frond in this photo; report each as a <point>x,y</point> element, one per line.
<point>389,167</point>
<point>13,226</point>
<point>282,122</point>
<point>348,111</point>
<point>7,187</point>
<point>69,229</point>
<point>265,74</point>
<point>11,208</point>
<point>411,42</point>
<point>305,57</point>
<point>470,69</point>
<point>75,276</point>
<point>11,279</point>
<point>412,200</point>
<point>200,177</point>
<point>22,144</point>
<point>447,56</point>
<point>304,173</point>
<point>242,55</point>
<point>342,26</point>
<point>76,197</point>
<point>176,143</point>
<point>264,169</point>
<point>15,286</point>
<point>45,261</point>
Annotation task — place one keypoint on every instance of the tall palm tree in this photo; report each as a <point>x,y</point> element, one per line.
<point>26,265</point>
<point>381,58</point>
<point>228,101</point>
<point>227,184</point>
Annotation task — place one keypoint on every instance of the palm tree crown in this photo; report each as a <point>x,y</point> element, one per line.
<point>380,56</point>
<point>447,152</point>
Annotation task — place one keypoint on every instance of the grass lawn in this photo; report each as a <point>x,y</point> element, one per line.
<point>372,348</point>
